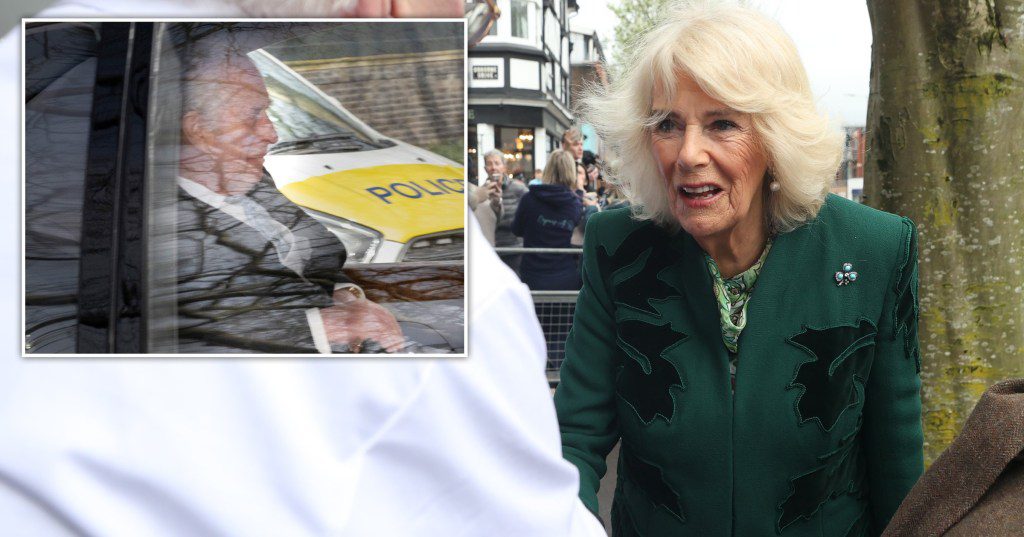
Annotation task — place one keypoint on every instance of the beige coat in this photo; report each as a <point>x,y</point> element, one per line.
<point>483,211</point>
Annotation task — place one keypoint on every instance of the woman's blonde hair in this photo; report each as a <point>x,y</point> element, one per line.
<point>560,169</point>
<point>745,60</point>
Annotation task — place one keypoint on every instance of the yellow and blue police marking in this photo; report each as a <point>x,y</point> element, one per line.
<point>402,201</point>
<point>416,189</point>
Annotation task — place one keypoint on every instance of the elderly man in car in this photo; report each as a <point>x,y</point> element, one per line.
<point>255,272</point>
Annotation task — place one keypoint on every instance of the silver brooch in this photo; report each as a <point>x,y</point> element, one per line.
<point>847,275</point>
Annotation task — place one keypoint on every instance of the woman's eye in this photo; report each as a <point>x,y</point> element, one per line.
<point>665,125</point>
<point>723,125</point>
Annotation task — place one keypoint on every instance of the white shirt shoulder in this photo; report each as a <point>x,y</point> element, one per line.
<point>290,447</point>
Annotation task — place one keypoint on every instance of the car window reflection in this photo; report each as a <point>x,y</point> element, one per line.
<point>217,201</point>
<point>60,67</point>
<point>255,271</point>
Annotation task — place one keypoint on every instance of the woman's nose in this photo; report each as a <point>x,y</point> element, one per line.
<point>693,151</point>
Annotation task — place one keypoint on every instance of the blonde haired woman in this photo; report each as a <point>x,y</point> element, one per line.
<point>546,218</point>
<point>750,338</point>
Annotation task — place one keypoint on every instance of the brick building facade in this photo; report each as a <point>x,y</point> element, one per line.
<point>415,97</point>
<point>403,79</point>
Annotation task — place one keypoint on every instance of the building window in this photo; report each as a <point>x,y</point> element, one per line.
<point>517,146</point>
<point>578,50</point>
<point>521,18</point>
<point>520,22</point>
<point>552,32</point>
<point>558,86</point>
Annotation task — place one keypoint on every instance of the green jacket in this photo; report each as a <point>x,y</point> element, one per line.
<point>823,434</point>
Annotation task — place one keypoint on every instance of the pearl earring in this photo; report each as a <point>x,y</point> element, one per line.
<point>774,186</point>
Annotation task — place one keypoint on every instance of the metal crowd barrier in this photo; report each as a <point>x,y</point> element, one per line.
<point>554,310</point>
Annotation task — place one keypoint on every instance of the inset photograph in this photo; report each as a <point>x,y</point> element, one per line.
<point>209,188</point>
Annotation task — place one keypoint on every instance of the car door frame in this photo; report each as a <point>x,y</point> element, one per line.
<point>111,291</point>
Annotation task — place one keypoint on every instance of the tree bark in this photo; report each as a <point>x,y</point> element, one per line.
<point>946,148</point>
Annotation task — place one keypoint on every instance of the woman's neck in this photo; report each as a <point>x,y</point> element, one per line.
<point>735,252</point>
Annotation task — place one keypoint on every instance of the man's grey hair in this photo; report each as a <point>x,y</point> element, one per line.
<point>494,153</point>
<point>204,82</point>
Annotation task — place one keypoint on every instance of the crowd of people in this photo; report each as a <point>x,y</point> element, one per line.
<point>549,213</point>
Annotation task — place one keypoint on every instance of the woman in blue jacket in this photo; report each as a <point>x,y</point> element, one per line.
<point>546,218</point>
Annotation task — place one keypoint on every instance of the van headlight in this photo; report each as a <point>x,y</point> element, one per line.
<point>361,243</point>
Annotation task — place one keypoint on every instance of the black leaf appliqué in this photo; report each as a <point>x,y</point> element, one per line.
<point>838,473</point>
<point>651,480</point>
<point>623,524</point>
<point>642,239</point>
<point>647,378</point>
<point>638,290</point>
<point>905,315</point>
<point>841,354</point>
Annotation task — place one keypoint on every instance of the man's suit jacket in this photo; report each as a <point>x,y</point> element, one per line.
<point>822,436</point>
<point>233,293</point>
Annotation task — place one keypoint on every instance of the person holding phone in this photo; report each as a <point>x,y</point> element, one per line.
<point>511,193</point>
<point>485,204</point>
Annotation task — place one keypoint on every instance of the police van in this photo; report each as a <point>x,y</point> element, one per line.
<point>388,201</point>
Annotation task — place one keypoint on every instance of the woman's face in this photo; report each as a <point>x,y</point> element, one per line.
<point>712,165</point>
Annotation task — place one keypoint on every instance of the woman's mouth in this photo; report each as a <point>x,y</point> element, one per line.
<point>699,192</point>
<point>697,196</point>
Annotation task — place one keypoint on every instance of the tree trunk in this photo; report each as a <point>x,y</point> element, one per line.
<point>946,148</point>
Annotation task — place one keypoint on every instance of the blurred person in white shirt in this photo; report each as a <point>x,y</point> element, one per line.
<point>290,447</point>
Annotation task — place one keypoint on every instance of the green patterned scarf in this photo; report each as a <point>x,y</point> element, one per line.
<point>732,296</point>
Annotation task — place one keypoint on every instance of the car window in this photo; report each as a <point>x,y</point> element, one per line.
<point>219,187</point>
<point>60,69</point>
<point>269,200</point>
<point>305,118</point>
<point>403,80</point>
